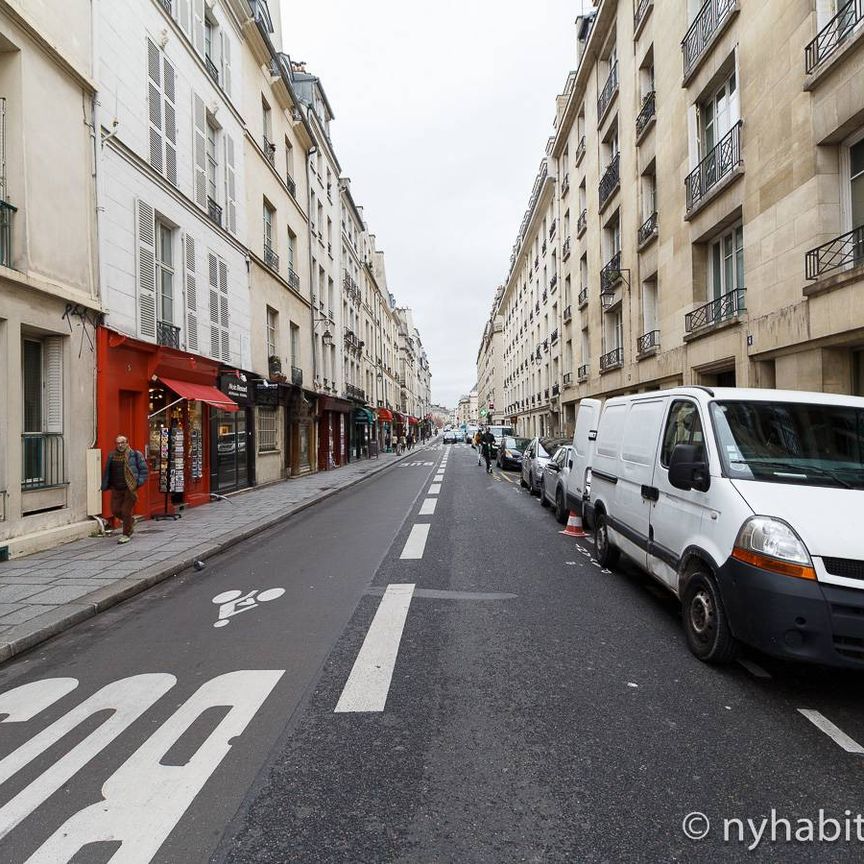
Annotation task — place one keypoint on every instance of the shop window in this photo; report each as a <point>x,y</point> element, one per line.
<point>266,432</point>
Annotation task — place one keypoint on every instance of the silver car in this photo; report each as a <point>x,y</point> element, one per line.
<point>553,482</point>
<point>534,460</point>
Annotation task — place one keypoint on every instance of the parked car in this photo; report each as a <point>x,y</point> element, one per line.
<point>498,433</point>
<point>553,482</point>
<point>469,434</point>
<point>509,451</point>
<point>745,504</point>
<point>460,436</point>
<point>534,460</point>
<point>449,437</point>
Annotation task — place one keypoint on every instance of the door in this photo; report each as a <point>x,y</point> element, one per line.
<point>584,435</point>
<point>676,515</point>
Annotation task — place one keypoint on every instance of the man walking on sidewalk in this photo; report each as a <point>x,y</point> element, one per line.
<point>487,441</point>
<point>125,471</point>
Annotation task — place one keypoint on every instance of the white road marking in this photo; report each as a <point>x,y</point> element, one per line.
<point>369,682</point>
<point>234,602</point>
<point>438,478</point>
<point>434,489</point>
<point>416,542</point>
<point>754,669</point>
<point>25,702</point>
<point>427,508</point>
<point>837,735</point>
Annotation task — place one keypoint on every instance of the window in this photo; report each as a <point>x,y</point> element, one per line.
<point>649,194</point>
<point>289,160</point>
<point>613,331</point>
<point>162,113</point>
<point>717,114</point>
<point>856,183</point>
<point>292,243</point>
<point>683,426</point>
<point>726,263</point>
<point>649,305</point>
<point>212,163</point>
<point>269,216</point>
<point>267,430</point>
<point>272,329</point>
<point>164,273</point>
<point>209,31</point>
<point>42,412</point>
<point>266,120</point>
<point>295,345</point>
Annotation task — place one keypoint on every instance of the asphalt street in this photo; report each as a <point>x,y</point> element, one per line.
<point>421,669</point>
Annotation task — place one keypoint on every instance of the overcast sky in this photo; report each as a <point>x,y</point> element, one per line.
<point>442,115</point>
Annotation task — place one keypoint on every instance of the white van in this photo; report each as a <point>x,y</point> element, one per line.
<point>746,504</point>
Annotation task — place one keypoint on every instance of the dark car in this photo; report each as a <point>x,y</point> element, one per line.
<point>510,451</point>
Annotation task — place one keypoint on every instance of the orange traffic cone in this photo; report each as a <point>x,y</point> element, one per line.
<point>574,526</point>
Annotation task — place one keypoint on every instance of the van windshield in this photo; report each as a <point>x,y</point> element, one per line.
<point>791,442</point>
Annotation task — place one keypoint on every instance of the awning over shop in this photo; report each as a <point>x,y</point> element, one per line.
<point>330,403</point>
<point>385,414</point>
<point>363,415</point>
<point>201,392</point>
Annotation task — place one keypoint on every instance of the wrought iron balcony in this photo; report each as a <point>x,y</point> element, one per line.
<point>565,249</point>
<point>7,211</point>
<point>545,297</point>
<point>167,334</point>
<point>568,379</point>
<point>610,180</point>
<point>720,162</point>
<point>582,223</point>
<point>546,346</point>
<point>723,308</point>
<point>646,114</point>
<point>553,336</point>
<point>553,282</point>
<point>610,88</point>
<point>552,228</point>
<point>42,460</point>
<point>292,186</point>
<point>582,300</point>
<point>556,389</point>
<point>580,150</point>
<point>582,372</point>
<point>546,393</point>
<point>642,8</point>
<point>166,5</point>
<point>709,19</point>
<point>269,150</point>
<point>568,313</point>
<point>296,376</point>
<point>214,211</point>
<point>212,71</point>
<point>293,278</point>
<point>565,185</point>
<point>543,247</point>
<point>847,250</point>
<point>610,274</point>
<point>833,34</point>
<point>648,230</point>
<point>271,259</point>
<point>611,360</point>
<point>647,342</point>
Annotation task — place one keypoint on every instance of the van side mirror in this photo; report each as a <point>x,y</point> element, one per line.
<point>688,468</point>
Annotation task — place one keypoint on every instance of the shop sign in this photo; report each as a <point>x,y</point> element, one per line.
<point>236,388</point>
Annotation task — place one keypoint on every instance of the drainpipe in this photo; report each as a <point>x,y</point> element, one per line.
<point>313,149</point>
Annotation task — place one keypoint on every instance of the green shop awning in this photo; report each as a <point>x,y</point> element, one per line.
<point>363,415</point>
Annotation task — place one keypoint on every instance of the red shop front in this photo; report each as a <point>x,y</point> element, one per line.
<point>160,398</point>
<point>333,425</point>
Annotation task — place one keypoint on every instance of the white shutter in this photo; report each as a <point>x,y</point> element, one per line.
<point>154,100</point>
<point>226,63</point>
<point>183,16</point>
<point>199,119</point>
<point>52,358</point>
<point>168,90</point>
<point>191,293</point>
<point>230,186</point>
<point>146,238</point>
<point>215,335</point>
<point>223,310</point>
<point>198,25</point>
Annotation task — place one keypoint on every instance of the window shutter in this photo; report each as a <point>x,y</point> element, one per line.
<point>198,26</point>
<point>183,13</point>
<point>226,63</point>
<point>223,309</point>
<point>215,335</point>
<point>191,293</point>
<point>230,186</point>
<point>53,378</point>
<point>199,117</point>
<point>146,234</point>
<point>168,90</point>
<point>154,98</point>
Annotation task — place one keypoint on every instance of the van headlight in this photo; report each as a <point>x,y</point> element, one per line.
<point>771,544</point>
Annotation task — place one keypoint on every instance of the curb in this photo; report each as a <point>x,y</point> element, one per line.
<point>56,621</point>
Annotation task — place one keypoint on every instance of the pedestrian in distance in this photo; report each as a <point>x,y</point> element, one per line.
<point>125,471</point>
<point>488,442</point>
<point>478,441</point>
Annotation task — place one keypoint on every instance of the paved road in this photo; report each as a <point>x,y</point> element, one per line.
<point>445,678</point>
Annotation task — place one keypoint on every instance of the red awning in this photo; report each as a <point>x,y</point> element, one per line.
<point>385,415</point>
<point>413,421</point>
<point>201,392</point>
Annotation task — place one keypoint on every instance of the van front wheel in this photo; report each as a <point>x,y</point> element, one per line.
<point>705,622</point>
<point>607,554</point>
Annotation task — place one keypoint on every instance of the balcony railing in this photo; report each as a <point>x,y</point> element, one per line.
<point>292,186</point>
<point>553,336</point>
<point>545,394</point>
<point>565,185</point>
<point>723,158</point>
<point>42,460</point>
<point>166,5</point>
<point>556,389</point>
<point>580,150</point>
<point>568,313</point>
<point>212,71</point>
<point>296,376</point>
<point>843,251</point>
<point>269,149</point>
<point>708,21</point>
<point>552,228</point>
<point>612,359</point>
<point>648,342</point>
<point>271,259</point>
<point>543,248</point>
<point>610,88</point>
<point>724,307</point>
<point>610,180</point>
<point>167,334</point>
<point>355,393</point>
<point>583,297</point>
<point>293,278</point>
<point>648,229</point>
<point>553,282</point>
<point>641,10</point>
<point>546,345</point>
<point>610,274</point>
<point>7,211</point>
<point>582,223</point>
<point>565,249</point>
<point>582,372</point>
<point>568,378</point>
<point>646,114</point>
<point>214,211</point>
<point>833,34</point>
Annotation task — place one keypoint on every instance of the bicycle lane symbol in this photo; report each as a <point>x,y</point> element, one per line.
<point>234,602</point>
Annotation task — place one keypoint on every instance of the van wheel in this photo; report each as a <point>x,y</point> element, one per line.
<point>544,501</point>
<point>522,482</point>
<point>705,622</point>
<point>607,554</point>
<point>560,508</point>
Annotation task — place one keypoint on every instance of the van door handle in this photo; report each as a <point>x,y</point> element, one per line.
<point>652,493</point>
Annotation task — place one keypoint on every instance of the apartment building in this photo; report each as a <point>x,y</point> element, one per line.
<point>708,162</point>
<point>49,306</point>
<point>491,364</point>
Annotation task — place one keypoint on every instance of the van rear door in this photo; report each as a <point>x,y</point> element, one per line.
<point>587,418</point>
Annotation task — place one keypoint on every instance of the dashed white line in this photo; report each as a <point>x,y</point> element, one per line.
<point>434,489</point>
<point>427,508</point>
<point>837,735</point>
<point>416,542</point>
<point>369,682</point>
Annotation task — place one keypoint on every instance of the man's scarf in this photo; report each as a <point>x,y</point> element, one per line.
<point>131,480</point>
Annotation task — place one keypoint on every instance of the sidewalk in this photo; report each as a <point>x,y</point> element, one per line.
<point>44,594</point>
